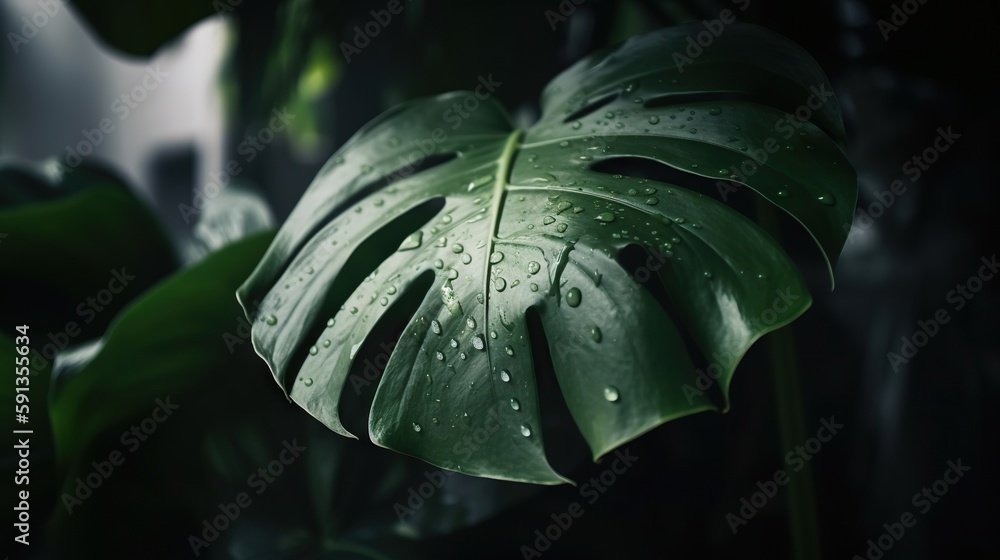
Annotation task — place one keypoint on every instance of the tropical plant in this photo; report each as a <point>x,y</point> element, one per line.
<point>442,223</point>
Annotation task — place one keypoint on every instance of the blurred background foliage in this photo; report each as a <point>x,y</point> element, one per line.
<point>230,64</point>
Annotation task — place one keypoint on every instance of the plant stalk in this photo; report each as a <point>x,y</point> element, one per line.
<point>800,495</point>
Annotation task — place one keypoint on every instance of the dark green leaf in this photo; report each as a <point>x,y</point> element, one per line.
<point>529,220</point>
<point>124,372</point>
<point>71,263</point>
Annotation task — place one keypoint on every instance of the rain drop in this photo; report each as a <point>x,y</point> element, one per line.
<point>595,333</point>
<point>272,320</point>
<point>605,217</point>
<point>416,427</point>
<point>654,120</point>
<point>307,382</point>
<point>478,343</point>
<point>525,430</point>
<point>533,267</point>
<point>500,284</point>
<point>435,327</point>
<point>573,297</point>
<point>505,376</point>
<point>515,404</point>
<point>480,181</point>
<point>611,393</point>
<point>496,257</point>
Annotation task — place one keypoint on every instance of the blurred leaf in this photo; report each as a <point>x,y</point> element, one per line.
<point>238,211</point>
<point>140,28</point>
<point>71,263</point>
<point>186,341</point>
<point>200,295</point>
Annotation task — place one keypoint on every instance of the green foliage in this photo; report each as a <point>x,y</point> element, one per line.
<point>496,225</point>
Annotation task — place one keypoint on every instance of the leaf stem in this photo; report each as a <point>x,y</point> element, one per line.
<point>800,495</point>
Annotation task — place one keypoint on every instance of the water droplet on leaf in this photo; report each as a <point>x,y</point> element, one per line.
<point>573,297</point>
<point>611,393</point>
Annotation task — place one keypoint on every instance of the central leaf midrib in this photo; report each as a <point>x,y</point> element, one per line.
<point>499,193</point>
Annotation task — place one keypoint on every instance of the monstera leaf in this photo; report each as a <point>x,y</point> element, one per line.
<point>441,215</point>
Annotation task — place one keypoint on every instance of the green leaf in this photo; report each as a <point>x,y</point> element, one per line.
<point>531,220</point>
<point>185,342</point>
<point>142,28</point>
<point>124,371</point>
<point>67,262</point>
